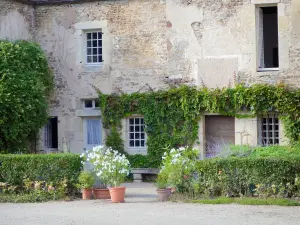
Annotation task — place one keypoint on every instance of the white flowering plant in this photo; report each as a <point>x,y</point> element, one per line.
<point>178,165</point>
<point>109,165</point>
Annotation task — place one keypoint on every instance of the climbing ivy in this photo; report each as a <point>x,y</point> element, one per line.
<point>26,83</point>
<point>172,116</point>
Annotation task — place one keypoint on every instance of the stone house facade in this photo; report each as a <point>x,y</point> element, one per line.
<point>144,45</point>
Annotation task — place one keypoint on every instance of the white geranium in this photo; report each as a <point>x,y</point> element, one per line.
<point>109,165</point>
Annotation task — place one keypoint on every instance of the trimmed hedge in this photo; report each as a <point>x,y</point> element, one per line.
<point>142,161</point>
<point>268,176</point>
<point>46,167</point>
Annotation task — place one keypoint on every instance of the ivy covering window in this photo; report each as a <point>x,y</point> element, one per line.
<point>137,136</point>
<point>94,47</point>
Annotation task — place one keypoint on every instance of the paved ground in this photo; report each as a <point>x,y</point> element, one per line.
<point>140,208</point>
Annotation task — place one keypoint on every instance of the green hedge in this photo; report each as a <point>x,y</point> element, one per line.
<point>46,167</point>
<point>143,161</point>
<point>267,176</point>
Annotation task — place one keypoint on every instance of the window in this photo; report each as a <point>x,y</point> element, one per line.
<point>93,131</point>
<point>90,104</point>
<point>267,38</point>
<point>137,135</point>
<point>269,126</point>
<point>50,134</point>
<point>94,47</point>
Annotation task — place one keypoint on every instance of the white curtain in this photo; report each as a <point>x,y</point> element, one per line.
<point>93,132</point>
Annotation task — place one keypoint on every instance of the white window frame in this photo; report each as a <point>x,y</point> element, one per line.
<point>81,28</point>
<point>133,148</point>
<point>265,142</point>
<point>260,40</point>
<point>93,104</point>
<point>85,45</point>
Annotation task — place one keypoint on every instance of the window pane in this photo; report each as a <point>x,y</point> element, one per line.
<point>97,103</point>
<point>99,35</point>
<point>137,121</point>
<point>142,135</point>
<point>99,51</point>
<point>89,59</point>
<point>95,59</point>
<point>131,129</point>
<point>142,143</point>
<point>89,51</point>
<point>88,35</point>
<point>142,128</point>
<point>131,143</point>
<point>137,128</point>
<point>89,43</point>
<point>100,43</point>
<point>94,35</point>
<point>88,104</point>
<point>94,51</point>
<point>142,120</point>
<point>131,135</point>
<point>137,135</point>
<point>137,143</point>
<point>131,121</point>
<point>94,43</point>
<point>100,58</point>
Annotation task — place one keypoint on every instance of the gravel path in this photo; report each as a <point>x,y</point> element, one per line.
<point>141,207</point>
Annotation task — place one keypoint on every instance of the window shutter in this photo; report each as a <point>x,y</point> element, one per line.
<point>260,40</point>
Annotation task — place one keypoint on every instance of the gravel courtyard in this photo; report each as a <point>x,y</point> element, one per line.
<point>141,207</point>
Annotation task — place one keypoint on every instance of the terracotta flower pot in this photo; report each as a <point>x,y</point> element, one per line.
<point>87,193</point>
<point>163,194</point>
<point>101,193</point>
<point>117,194</point>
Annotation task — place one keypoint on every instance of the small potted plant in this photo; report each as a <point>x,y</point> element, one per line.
<point>86,182</point>
<point>162,191</point>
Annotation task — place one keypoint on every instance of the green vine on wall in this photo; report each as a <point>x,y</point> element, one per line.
<point>172,116</point>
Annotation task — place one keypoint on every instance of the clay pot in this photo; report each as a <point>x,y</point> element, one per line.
<point>117,194</point>
<point>87,194</point>
<point>163,194</point>
<point>101,193</point>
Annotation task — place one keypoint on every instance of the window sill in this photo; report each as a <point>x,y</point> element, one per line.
<point>267,69</point>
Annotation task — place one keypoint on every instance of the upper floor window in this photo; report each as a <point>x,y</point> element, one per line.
<point>94,47</point>
<point>137,135</point>
<point>267,38</point>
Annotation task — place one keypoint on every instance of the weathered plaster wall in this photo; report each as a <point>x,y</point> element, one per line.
<point>217,39</point>
<point>150,44</point>
<point>136,55</point>
<point>16,20</point>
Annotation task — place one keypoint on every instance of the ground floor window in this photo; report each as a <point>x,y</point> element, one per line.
<point>269,130</point>
<point>136,134</point>
<point>50,134</point>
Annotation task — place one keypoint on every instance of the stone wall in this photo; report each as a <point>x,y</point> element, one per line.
<point>152,44</point>
<point>136,55</point>
<point>16,20</point>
